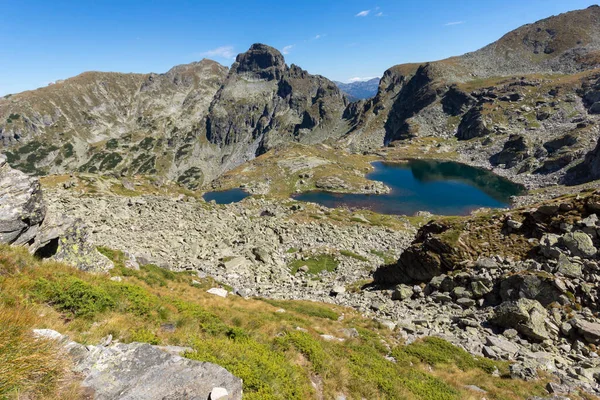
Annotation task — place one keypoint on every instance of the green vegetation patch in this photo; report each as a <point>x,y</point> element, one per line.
<point>73,296</point>
<point>305,307</point>
<point>370,373</point>
<point>12,117</point>
<point>435,351</point>
<point>316,265</point>
<point>267,373</point>
<point>388,257</point>
<point>348,253</point>
<point>112,144</point>
<point>192,178</point>
<point>68,150</point>
<point>147,144</point>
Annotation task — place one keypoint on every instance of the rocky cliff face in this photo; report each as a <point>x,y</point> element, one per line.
<point>264,103</point>
<point>555,116</point>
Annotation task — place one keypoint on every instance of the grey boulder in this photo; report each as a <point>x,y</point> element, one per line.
<point>526,316</point>
<point>22,209</point>
<point>139,371</point>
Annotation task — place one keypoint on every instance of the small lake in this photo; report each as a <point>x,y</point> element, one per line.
<point>440,187</point>
<point>226,196</point>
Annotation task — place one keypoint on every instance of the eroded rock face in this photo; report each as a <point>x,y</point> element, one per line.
<point>473,125</point>
<point>66,239</point>
<point>260,61</point>
<point>419,92</point>
<point>22,209</point>
<point>139,371</point>
<point>515,150</point>
<point>264,103</point>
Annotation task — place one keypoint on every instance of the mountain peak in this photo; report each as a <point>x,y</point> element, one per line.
<point>262,61</point>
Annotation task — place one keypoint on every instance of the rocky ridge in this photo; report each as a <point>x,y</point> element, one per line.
<point>187,125</point>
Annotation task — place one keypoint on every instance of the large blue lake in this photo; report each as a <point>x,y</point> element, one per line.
<point>440,187</point>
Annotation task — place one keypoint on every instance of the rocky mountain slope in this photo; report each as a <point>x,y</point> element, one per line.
<point>534,124</point>
<point>188,125</point>
<point>359,90</point>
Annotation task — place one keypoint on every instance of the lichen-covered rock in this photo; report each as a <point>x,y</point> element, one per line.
<point>589,330</point>
<point>139,371</point>
<point>66,239</point>
<point>24,221</point>
<point>22,209</point>
<point>579,244</point>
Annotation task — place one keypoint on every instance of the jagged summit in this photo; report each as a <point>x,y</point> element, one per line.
<point>262,61</point>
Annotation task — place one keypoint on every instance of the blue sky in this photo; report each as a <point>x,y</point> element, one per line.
<point>42,41</point>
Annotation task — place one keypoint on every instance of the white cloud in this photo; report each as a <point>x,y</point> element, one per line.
<point>287,49</point>
<point>380,14</point>
<point>223,52</point>
<point>361,79</point>
<point>454,23</point>
<point>363,13</point>
<point>317,36</point>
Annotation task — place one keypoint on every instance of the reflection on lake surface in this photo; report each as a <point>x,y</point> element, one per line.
<point>440,187</point>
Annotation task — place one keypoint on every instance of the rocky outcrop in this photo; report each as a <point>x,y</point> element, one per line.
<point>136,371</point>
<point>457,102</point>
<point>263,103</point>
<point>67,239</point>
<point>473,125</point>
<point>21,207</point>
<point>24,221</point>
<point>586,171</point>
<point>415,95</point>
<point>531,275</point>
<point>515,150</point>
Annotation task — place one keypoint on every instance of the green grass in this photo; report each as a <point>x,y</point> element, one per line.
<point>73,296</point>
<point>317,264</point>
<point>348,253</point>
<point>308,308</point>
<point>388,258</point>
<point>249,337</point>
<point>436,351</point>
<point>267,373</point>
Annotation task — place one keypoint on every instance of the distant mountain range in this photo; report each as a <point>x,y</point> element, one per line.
<point>359,90</point>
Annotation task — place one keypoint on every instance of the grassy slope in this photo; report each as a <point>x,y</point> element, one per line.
<point>252,338</point>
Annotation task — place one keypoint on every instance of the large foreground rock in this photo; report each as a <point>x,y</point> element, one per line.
<point>21,207</point>
<point>138,371</point>
<point>24,221</point>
